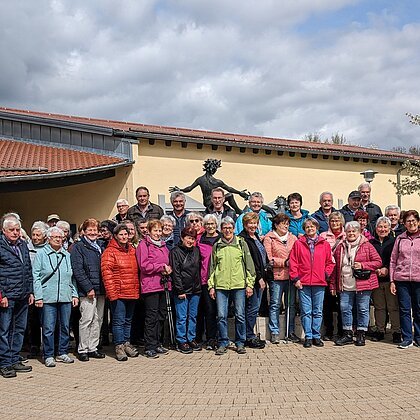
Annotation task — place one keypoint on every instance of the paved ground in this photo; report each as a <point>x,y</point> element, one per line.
<point>284,381</point>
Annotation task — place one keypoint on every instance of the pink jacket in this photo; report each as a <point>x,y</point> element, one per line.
<point>151,260</point>
<point>405,259</point>
<point>367,255</point>
<point>279,253</point>
<point>311,271</point>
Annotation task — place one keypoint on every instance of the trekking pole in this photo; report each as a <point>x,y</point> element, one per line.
<point>165,281</point>
<point>288,312</point>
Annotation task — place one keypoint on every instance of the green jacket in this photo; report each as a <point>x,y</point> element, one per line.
<point>231,265</point>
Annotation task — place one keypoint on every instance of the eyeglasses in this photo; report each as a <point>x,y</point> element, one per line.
<point>227,227</point>
<point>195,221</point>
<point>210,224</point>
<point>411,221</point>
<point>56,237</point>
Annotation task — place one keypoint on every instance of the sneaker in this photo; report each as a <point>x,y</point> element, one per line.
<point>328,337</point>
<point>7,372</point>
<point>49,362</point>
<point>379,336</point>
<point>254,343</point>
<point>417,343</point>
<point>195,347</point>
<point>162,350</point>
<point>211,344</point>
<point>83,357</point>
<point>130,350</point>
<point>307,343</point>
<point>275,338</point>
<point>317,342</point>
<point>151,354</point>
<point>64,358</point>
<point>221,350</point>
<point>241,349</point>
<point>184,348</point>
<point>347,338</point>
<point>396,337</point>
<point>120,353</point>
<point>21,368</point>
<point>293,338</point>
<point>23,359</point>
<point>405,344</point>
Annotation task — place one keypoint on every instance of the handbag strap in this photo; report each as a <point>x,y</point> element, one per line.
<point>44,280</point>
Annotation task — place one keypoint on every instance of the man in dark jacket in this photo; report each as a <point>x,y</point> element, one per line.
<point>218,206</point>
<point>16,292</point>
<point>322,214</point>
<point>373,210</point>
<point>353,205</point>
<point>86,266</point>
<point>179,213</point>
<point>144,208</point>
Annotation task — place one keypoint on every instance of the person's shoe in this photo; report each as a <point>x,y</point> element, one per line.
<point>221,350</point>
<point>211,344</point>
<point>7,372</point>
<point>254,343</point>
<point>416,343</point>
<point>396,337</point>
<point>275,338</point>
<point>328,337</point>
<point>64,358</point>
<point>33,352</point>
<point>347,338</point>
<point>162,350</point>
<point>83,357</point>
<point>307,343</point>
<point>241,349</point>
<point>151,354</point>
<point>130,350</point>
<point>317,342</point>
<point>293,338</point>
<point>184,348</point>
<point>195,347</point>
<point>405,344</point>
<point>120,353</point>
<point>23,359</point>
<point>360,338</point>
<point>49,362</point>
<point>377,336</point>
<point>21,368</point>
<point>96,354</point>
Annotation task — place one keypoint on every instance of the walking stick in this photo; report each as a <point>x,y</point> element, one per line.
<point>164,281</point>
<point>288,312</point>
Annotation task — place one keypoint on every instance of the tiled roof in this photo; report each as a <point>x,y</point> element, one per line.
<point>25,159</point>
<point>222,138</point>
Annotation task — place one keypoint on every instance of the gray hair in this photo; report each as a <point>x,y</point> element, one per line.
<point>392,207</point>
<point>62,224</point>
<point>325,193</point>
<point>352,225</point>
<point>364,185</point>
<point>11,215</point>
<point>383,219</point>
<point>39,225</point>
<point>257,194</point>
<point>11,221</point>
<point>311,220</point>
<point>337,214</point>
<point>168,218</point>
<point>122,201</point>
<point>176,194</point>
<point>209,217</point>
<point>53,230</point>
<point>227,221</point>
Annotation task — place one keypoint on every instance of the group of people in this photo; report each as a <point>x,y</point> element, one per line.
<point>203,268</point>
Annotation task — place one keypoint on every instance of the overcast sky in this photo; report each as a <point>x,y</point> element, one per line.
<point>273,68</point>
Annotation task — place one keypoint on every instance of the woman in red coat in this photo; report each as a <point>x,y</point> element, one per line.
<point>355,288</point>
<point>120,277</point>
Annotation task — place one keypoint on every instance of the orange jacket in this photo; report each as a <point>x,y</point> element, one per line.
<point>120,272</point>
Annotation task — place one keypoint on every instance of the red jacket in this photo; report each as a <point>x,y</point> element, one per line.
<point>311,271</point>
<point>120,272</point>
<point>370,260</point>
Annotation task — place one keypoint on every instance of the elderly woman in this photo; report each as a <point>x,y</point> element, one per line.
<point>168,225</point>
<point>260,259</point>
<point>133,238</point>
<point>120,277</point>
<point>232,275</point>
<point>310,265</point>
<point>383,300</point>
<point>153,260</point>
<point>68,240</point>
<point>296,214</point>
<point>122,208</point>
<point>393,213</point>
<point>278,245</point>
<point>354,278</point>
<point>205,244</point>
<point>55,292</point>
<point>195,221</point>
<point>362,217</point>
<point>404,273</point>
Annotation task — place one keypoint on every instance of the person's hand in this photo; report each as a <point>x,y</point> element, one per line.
<point>382,272</point>
<point>262,284</point>
<point>212,293</point>
<point>91,294</point>
<point>174,188</point>
<point>393,288</point>
<point>167,269</point>
<point>183,296</point>
<point>39,303</point>
<point>333,292</point>
<point>249,291</point>
<point>31,299</point>
<point>357,265</point>
<point>298,285</point>
<point>74,302</point>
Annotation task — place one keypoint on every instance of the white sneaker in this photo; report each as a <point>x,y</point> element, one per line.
<point>64,358</point>
<point>50,362</point>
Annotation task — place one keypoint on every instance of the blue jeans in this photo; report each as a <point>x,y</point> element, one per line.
<point>12,329</point>
<point>51,313</point>
<point>311,302</point>
<point>186,314</point>
<point>347,302</point>
<point>122,314</point>
<point>252,306</point>
<point>277,289</point>
<point>222,301</point>
<point>408,293</point>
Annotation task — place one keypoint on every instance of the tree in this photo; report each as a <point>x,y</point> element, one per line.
<point>313,138</point>
<point>414,119</point>
<point>337,139</point>
<point>411,183</point>
<point>334,139</point>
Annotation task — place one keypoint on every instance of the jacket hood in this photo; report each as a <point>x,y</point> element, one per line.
<point>305,214</point>
<point>320,239</point>
<point>113,243</point>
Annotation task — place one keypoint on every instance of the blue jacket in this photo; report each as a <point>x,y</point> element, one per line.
<point>86,266</point>
<point>59,287</point>
<point>296,225</point>
<point>180,224</point>
<point>322,219</point>
<point>264,225</point>
<point>16,280</point>
<point>348,213</point>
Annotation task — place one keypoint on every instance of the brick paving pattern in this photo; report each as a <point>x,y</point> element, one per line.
<point>285,381</point>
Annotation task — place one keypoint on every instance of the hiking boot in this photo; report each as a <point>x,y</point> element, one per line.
<point>21,368</point>
<point>49,362</point>
<point>307,343</point>
<point>293,338</point>
<point>275,338</point>
<point>130,350</point>
<point>221,350</point>
<point>162,350</point>
<point>378,336</point>
<point>317,342</point>
<point>64,358</point>
<point>211,344</point>
<point>328,337</point>
<point>396,337</point>
<point>151,354</point>
<point>241,349</point>
<point>7,372</point>
<point>405,344</point>
<point>195,347</point>
<point>184,348</point>
<point>360,338</point>
<point>120,353</point>
<point>347,338</point>
<point>254,343</point>
<point>83,357</point>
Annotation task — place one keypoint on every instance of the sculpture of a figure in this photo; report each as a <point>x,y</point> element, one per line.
<point>207,182</point>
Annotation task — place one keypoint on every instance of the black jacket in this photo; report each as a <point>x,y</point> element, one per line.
<point>185,263</point>
<point>398,230</point>
<point>86,266</point>
<point>384,250</point>
<point>374,212</point>
<point>227,211</point>
<point>153,212</point>
<point>260,265</point>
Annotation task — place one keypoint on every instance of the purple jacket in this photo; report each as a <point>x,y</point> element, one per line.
<point>205,245</point>
<point>151,259</point>
<point>405,258</point>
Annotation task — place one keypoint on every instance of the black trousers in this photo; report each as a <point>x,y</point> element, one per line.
<point>331,305</point>
<point>210,313</point>
<point>137,323</point>
<point>155,313</point>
